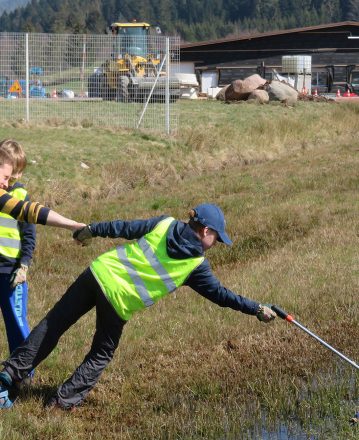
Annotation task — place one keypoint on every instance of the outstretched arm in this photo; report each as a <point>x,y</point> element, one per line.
<point>33,212</point>
<point>130,230</point>
<point>206,284</point>
<point>55,219</point>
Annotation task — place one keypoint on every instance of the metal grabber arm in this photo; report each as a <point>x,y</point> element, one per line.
<point>282,314</point>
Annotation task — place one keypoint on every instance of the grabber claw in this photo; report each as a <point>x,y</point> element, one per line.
<point>354,420</point>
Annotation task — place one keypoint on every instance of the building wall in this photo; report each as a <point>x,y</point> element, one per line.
<point>239,58</point>
<point>241,68</point>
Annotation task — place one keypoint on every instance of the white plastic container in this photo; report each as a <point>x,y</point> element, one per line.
<point>297,64</point>
<point>209,79</point>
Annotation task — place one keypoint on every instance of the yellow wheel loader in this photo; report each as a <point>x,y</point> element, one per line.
<point>135,66</point>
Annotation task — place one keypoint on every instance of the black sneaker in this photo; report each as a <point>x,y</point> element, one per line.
<point>53,403</point>
<point>20,385</point>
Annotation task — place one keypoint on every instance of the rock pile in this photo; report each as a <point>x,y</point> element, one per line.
<point>256,88</point>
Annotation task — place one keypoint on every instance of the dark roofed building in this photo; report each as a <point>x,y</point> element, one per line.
<point>333,48</point>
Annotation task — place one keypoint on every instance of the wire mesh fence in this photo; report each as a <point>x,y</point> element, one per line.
<point>102,80</point>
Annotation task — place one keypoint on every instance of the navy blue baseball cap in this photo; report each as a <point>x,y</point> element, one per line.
<point>212,216</point>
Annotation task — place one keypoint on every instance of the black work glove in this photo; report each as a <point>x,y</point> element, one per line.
<point>83,235</point>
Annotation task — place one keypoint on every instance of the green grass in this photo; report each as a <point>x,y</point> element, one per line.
<point>287,179</point>
<point>85,113</point>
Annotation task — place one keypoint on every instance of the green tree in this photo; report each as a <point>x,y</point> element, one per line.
<point>353,10</point>
<point>192,19</point>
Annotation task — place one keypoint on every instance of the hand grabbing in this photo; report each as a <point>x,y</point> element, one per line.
<point>83,236</point>
<point>18,276</point>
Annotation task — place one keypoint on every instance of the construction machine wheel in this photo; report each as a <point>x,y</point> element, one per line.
<point>122,93</point>
<point>94,85</point>
<point>107,93</point>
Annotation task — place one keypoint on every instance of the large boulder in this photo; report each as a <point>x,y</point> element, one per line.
<point>221,95</point>
<point>240,89</point>
<point>283,92</point>
<point>260,96</point>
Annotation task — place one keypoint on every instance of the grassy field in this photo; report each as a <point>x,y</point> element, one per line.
<point>82,112</point>
<point>288,180</point>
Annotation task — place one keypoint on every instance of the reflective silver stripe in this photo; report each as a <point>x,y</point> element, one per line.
<point>156,264</point>
<point>10,243</point>
<point>8,222</point>
<point>136,279</point>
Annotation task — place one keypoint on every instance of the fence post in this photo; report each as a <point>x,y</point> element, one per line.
<point>167,102</point>
<point>82,68</point>
<point>27,88</point>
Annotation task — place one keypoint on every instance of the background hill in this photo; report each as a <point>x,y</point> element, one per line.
<point>191,19</point>
<point>10,5</point>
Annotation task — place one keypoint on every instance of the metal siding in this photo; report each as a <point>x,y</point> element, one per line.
<point>313,41</point>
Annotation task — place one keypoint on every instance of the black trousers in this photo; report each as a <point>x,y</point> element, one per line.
<point>84,294</point>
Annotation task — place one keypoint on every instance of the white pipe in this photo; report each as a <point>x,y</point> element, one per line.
<point>313,335</point>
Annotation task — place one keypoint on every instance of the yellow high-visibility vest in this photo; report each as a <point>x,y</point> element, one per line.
<point>10,240</point>
<point>136,275</point>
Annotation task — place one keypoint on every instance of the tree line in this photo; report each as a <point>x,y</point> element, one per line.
<point>192,20</point>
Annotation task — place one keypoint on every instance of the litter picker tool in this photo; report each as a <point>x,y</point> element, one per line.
<point>282,314</point>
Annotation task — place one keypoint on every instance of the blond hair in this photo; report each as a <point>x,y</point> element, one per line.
<point>11,152</point>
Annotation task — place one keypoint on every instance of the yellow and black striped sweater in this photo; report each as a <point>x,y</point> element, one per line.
<point>29,212</point>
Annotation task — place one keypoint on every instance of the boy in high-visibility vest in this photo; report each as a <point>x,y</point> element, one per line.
<point>166,254</point>
<point>17,244</point>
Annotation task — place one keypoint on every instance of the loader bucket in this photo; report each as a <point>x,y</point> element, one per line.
<point>156,87</point>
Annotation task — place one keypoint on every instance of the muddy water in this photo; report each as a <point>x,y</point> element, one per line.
<point>339,402</point>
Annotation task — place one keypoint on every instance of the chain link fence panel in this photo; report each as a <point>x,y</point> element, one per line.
<point>100,80</point>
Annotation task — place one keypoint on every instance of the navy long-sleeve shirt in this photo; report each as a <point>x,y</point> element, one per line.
<point>182,242</point>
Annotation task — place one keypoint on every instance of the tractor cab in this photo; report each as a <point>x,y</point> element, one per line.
<point>130,39</point>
